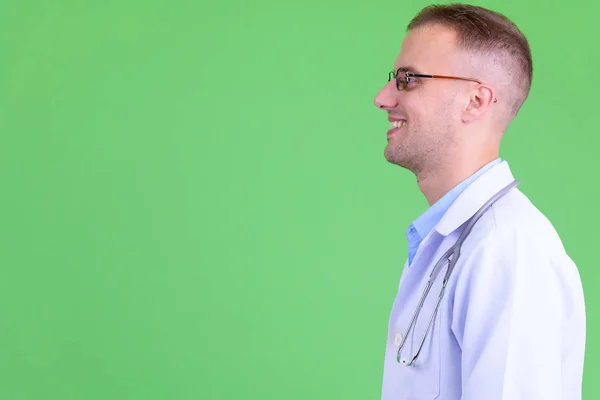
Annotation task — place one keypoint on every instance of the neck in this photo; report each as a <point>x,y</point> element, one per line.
<point>435,183</point>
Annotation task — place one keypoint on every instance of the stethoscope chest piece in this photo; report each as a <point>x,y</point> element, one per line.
<point>398,339</point>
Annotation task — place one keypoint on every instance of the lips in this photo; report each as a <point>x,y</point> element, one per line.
<point>396,125</point>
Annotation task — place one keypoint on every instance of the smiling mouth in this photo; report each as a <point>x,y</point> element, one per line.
<point>397,124</point>
<point>395,127</point>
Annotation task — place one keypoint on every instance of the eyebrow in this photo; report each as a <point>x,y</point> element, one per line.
<point>408,69</point>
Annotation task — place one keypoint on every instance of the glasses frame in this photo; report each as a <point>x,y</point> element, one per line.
<point>400,86</point>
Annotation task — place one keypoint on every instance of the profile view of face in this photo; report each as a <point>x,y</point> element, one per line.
<point>424,117</point>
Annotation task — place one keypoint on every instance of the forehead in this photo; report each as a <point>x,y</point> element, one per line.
<point>429,50</point>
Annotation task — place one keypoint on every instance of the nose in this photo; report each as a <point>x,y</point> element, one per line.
<point>387,97</point>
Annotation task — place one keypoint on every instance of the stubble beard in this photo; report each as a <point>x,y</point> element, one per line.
<point>423,152</point>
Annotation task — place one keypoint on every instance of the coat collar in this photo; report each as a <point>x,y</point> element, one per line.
<point>475,196</point>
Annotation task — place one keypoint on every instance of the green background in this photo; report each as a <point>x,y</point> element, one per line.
<point>195,202</point>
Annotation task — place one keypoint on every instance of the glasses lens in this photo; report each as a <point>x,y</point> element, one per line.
<point>401,81</point>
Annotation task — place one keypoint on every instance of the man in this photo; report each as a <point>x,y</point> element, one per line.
<point>511,322</point>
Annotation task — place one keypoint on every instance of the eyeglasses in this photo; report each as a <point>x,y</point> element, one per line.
<point>403,78</point>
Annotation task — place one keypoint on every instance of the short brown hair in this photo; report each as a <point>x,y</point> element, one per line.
<point>488,32</point>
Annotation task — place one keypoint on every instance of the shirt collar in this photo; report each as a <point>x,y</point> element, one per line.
<point>430,218</point>
<point>474,196</point>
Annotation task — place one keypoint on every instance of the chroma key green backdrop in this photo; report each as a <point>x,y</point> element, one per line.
<point>195,202</point>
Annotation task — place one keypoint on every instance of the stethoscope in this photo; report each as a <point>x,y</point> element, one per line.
<point>451,256</point>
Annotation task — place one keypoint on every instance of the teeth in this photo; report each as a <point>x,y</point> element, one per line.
<point>397,124</point>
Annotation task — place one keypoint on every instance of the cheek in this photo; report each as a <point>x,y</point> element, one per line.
<point>424,102</point>
<point>441,107</point>
<point>415,107</point>
<point>450,100</point>
<point>429,105</point>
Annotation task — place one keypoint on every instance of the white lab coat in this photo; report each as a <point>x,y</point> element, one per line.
<point>511,325</point>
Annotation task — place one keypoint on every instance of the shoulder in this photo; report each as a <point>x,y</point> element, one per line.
<point>515,262</point>
<point>515,228</point>
<point>514,238</point>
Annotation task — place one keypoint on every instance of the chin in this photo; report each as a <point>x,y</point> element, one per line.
<point>397,157</point>
<point>393,156</point>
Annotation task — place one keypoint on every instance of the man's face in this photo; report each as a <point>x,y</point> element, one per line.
<point>428,111</point>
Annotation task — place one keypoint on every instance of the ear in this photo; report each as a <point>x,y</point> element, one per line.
<point>480,101</point>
